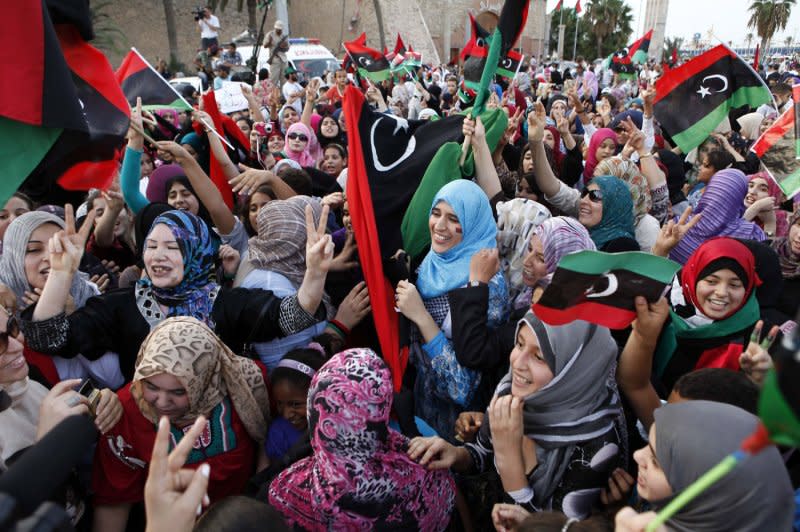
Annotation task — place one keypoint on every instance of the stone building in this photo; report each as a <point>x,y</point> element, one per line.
<point>656,18</point>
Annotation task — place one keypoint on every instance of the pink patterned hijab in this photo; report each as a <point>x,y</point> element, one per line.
<point>359,476</point>
<point>312,152</point>
<point>591,154</point>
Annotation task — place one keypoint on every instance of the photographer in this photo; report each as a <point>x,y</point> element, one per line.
<point>209,28</point>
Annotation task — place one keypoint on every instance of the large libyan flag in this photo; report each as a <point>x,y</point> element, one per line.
<point>600,287</point>
<point>63,117</point>
<point>692,99</point>
<point>776,149</point>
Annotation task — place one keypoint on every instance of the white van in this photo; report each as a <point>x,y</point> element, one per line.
<point>308,56</point>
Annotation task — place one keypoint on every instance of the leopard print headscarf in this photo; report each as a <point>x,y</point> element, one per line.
<point>187,349</point>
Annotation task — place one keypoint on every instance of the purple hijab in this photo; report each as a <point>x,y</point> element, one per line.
<point>722,207</point>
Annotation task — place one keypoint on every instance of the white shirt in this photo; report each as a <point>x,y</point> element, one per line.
<point>205,27</point>
<point>290,88</point>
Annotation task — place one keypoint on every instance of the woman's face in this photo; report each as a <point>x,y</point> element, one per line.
<point>347,221</point>
<point>291,403</point>
<point>37,255</point>
<point>191,151</point>
<point>527,162</point>
<point>244,126</point>
<point>162,256</point>
<point>14,207</point>
<point>146,165</point>
<point>329,128</point>
<point>706,170</point>
<point>258,200</point>
<point>590,211</point>
<point>342,124</point>
<point>332,162</point>
<point>524,190</point>
<point>275,143</point>
<point>548,139</point>
<point>794,237</point>
<point>446,231</point>
<point>297,141</point>
<point>534,268</point>
<point>166,396</point>
<point>597,121</point>
<point>765,125</point>
<point>605,149</point>
<point>720,293</point>
<point>13,366</point>
<point>290,117</point>
<point>757,189</point>
<point>182,198</point>
<point>529,371</point>
<point>651,482</point>
<point>558,107</point>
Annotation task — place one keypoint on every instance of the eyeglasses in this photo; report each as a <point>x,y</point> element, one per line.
<point>595,196</point>
<point>297,136</point>
<point>12,330</point>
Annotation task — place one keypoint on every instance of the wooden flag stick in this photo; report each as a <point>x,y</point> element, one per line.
<point>147,137</point>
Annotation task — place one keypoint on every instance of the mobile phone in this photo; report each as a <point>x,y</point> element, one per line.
<point>89,390</point>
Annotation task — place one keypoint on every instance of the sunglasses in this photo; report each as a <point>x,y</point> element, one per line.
<point>12,330</point>
<point>297,136</point>
<point>595,196</point>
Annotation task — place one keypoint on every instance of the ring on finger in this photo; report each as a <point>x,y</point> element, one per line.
<point>73,400</point>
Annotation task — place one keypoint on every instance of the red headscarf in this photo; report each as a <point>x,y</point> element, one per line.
<point>781,216</point>
<point>591,156</point>
<point>713,250</point>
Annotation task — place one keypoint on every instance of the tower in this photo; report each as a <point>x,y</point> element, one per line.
<point>656,18</point>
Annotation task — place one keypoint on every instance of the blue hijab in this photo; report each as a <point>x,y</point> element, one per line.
<point>440,273</point>
<point>191,297</point>
<point>617,220</point>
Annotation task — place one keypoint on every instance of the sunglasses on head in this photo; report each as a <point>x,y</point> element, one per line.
<point>297,136</point>
<point>12,330</point>
<point>595,196</point>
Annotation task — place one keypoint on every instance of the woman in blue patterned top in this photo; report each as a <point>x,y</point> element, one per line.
<point>461,224</point>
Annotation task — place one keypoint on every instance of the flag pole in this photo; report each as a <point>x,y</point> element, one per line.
<point>575,42</point>
<point>179,95</point>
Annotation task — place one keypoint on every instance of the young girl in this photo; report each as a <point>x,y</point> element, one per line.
<point>290,383</point>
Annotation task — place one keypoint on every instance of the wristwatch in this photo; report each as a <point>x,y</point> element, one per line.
<point>476,283</point>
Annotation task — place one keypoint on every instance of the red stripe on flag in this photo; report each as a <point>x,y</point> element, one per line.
<point>130,65</point>
<point>359,201</point>
<point>88,174</point>
<point>775,133</point>
<point>215,169</point>
<point>91,65</point>
<point>22,57</point>
<point>605,315</point>
<point>665,84</point>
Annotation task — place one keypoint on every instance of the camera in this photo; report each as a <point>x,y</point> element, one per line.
<point>198,13</point>
<point>263,129</point>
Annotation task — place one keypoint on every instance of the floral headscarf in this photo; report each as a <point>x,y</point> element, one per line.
<point>628,172</point>
<point>209,371</point>
<point>359,476</point>
<point>192,296</point>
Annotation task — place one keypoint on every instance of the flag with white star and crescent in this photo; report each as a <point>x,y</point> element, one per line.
<point>694,98</point>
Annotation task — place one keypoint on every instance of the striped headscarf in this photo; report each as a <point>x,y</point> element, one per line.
<point>628,172</point>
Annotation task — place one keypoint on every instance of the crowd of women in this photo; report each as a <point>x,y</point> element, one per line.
<point>240,377</point>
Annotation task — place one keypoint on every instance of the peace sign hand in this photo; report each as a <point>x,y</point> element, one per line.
<point>756,361</point>
<point>66,246</point>
<point>319,246</point>
<point>673,232</point>
<point>174,496</point>
<point>536,122</point>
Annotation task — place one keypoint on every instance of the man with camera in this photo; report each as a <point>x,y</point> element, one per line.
<point>209,27</point>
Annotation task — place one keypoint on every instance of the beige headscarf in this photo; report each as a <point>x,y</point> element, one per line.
<point>750,125</point>
<point>187,349</point>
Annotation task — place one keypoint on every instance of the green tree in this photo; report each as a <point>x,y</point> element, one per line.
<point>586,43</point>
<point>609,24</point>
<point>768,17</point>
<point>675,43</point>
<point>108,37</point>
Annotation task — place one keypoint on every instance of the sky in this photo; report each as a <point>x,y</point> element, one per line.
<point>728,18</point>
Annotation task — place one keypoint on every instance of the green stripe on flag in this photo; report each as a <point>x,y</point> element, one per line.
<point>693,136</point>
<point>22,147</point>
<point>375,76</point>
<point>640,57</point>
<point>597,262</point>
<point>791,183</point>
<point>178,105</point>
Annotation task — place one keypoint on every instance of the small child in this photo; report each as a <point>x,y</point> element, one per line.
<point>290,382</point>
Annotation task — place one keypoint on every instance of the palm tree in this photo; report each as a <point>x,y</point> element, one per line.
<point>788,42</point>
<point>608,18</point>
<point>749,40</point>
<point>674,43</point>
<point>768,17</point>
<point>107,34</point>
<point>240,4</point>
<point>172,32</point>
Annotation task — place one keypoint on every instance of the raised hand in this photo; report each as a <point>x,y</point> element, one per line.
<point>673,232</point>
<point>230,259</point>
<point>319,246</point>
<point>650,317</point>
<point>354,306</point>
<point>536,122</point>
<point>67,246</point>
<point>467,425</point>
<point>250,179</point>
<point>484,265</point>
<point>135,137</point>
<point>409,302</point>
<point>175,150</point>
<point>756,361</point>
<point>175,496</point>
<point>344,260</point>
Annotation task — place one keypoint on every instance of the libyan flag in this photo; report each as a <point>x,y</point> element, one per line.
<point>623,61</point>
<point>600,287</point>
<point>139,79</point>
<point>63,117</point>
<point>692,99</point>
<point>777,151</point>
<point>369,62</point>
